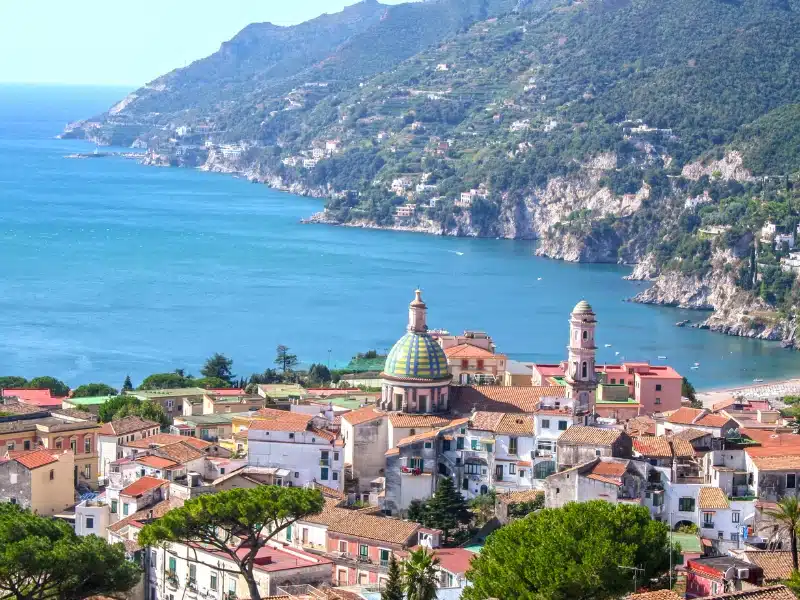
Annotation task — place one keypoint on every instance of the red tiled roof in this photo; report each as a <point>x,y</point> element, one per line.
<point>454,560</point>
<point>498,398</point>
<point>580,434</point>
<point>775,458</point>
<point>770,439</point>
<point>34,397</point>
<point>196,443</point>
<point>405,420</point>
<point>35,459</point>
<point>503,423</point>
<point>712,498</point>
<point>126,425</point>
<point>226,391</point>
<point>657,595</point>
<point>656,447</point>
<point>417,438</point>
<point>362,415</point>
<point>610,469</point>
<point>160,439</point>
<point>181,452</point>
<point>776,564</point>
<point>696,416</point>
<point>467,351</point>
<point>143,485</point>
<point>287,421</point>
<point>156,462</point>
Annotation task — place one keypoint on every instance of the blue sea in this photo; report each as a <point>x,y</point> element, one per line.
<point>111,268</point>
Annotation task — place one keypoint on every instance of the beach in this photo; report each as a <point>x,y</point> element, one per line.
<point>767,389</point>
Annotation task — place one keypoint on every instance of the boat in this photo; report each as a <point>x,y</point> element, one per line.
<point>694,367</point>
<point>696,364</point>
<point>616,353</point>
<point>662,358</point>
<point>758,380</point>
<point>608,345</point>
<point>682,323</point>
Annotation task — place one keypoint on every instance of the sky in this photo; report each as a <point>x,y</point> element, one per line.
<point>108,42</point>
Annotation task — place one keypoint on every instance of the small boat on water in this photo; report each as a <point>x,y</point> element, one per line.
<point>694,367</point>
<point>662,358</point>
<point>696,364</point>
<point>608,345</point>
<point>758,380</point>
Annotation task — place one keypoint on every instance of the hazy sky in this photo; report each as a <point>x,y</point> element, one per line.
<point>128,43</point>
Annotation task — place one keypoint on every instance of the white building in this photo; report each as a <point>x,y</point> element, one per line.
<point>113,435</point>
<point>291,441</point>
<point>784,238</point>
<point>318,153</point>
<point>309,163</point>
<point>407,210</point>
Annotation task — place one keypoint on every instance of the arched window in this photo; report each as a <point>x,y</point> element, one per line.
<point>585,334</point>
<point>583,369</point>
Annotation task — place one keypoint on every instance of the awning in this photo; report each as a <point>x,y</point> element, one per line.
<point>475,461</point>
<point>486,441</point>
<point>282,472</point>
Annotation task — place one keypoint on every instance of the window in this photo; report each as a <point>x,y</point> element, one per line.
<point>472,469</point>
<point>686,504</point>
<point>323,473</point>
<point>59,443</point>
<point>212,584</point>
<point>463,431</point>
<point>545,423</point>
<point>465,484</point>
<point>87,471</point>
<point>125,509</point>
<point>335,475</point>
<point>475,444</point>
<point>735,517</point>
<point>480,364</point>
<point>708,519</point>
<point>428,445</point>
<point>791,480</point>
<point>232,586</point>
<point>464,363</point>
<point>222,471</point>
<point>114,505</point>
<point>173,564</point>
<point>512,445</point>
<point>363,550</point>
<point>291,436</point>
<point>445,445</point>
<point>714,588</point>
<point>153,558</point>
<point>488,447</point>
<point>170,404</point>
<point>89,522</point>
<point>416,463</point>
<point>289,533</point>
<point>412,431</point>
<point>459,443</point>
<point>52,474</point>
<point>584,369</point>
<point>10,446</point>
<point>597,453</point>
<point>335,456</point>
<point>296,474</point>
<point>621,380</point>
<point>522,473</point>
<point>26,444</point>
<point>384,557</point>
<point>87,445</point>
<point>73,445</point>
<point>342,546</point>
<point>562,425</point>
<point>658,400</point>
<point>613,381</point>
<point>498,472</point>
<point>735,537</point>
<point>512,469</point>
<point>192,573</point>
<point>658,387</point>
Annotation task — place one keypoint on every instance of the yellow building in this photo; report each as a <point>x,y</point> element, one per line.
<point>41,481</point>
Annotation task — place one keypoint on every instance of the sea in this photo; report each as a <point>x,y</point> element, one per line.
<point>109,268</point>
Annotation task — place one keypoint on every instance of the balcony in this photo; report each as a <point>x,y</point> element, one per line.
<point>324,462</point>
<point>172,580</point>
<point>413,471</point>
<point>708,525</point>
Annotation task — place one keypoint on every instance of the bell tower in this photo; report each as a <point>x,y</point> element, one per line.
<point>581,378</point>
<point>417,314</point>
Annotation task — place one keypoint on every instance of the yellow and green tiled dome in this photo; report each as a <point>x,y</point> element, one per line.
<point>416,356</point>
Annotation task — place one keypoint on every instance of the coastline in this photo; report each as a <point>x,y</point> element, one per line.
<point>773,388</point>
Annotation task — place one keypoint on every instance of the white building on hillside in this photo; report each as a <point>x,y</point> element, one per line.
<point>113,435</point>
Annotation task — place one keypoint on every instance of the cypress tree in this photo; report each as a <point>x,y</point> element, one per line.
<point>394,586</point>
<point>447,508</point>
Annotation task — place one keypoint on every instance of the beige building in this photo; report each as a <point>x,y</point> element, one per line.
<point>39,480</point>
<point>472,364</point>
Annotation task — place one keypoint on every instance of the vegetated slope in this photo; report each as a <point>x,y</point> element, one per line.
<point>610,129</point>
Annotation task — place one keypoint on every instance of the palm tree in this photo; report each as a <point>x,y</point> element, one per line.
<point>420,575</point>
<point>787,514</point>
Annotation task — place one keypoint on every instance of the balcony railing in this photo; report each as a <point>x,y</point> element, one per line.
<point>324,462</point>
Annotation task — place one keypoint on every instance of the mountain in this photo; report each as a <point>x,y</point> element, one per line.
<point>662,133</point>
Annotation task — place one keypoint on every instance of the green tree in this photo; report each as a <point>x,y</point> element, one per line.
<point>152,411</point>
<point>237,523</point>
<point>787,514</point>
<point>483,507</point>
<point>163,381</point>
<point>394,584</point>
<point>127,386</point>
<point>578,551</point>
<point>211,383</point>
<point>416,511</point>
<point>284,359</point>
<point>219,366</point>
<point>13,383</point>
<point>520,509</point>
<point>319,373</point>
<point>43,558</point>
<point>420,575</point>
<point>92,390</point>
<point>446,509</point>
<point>793,583</point>
<point>57,387</point>
<point>108,409</point>
<point>688,391</point>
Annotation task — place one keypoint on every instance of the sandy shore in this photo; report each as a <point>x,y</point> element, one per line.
<point>766,389</point>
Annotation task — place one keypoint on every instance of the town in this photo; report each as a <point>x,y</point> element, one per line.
<point>459,457</point>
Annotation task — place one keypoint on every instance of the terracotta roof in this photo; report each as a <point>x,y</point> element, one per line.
<point>181,452</point>
<point>612,480</point>
<point>580,434</point>
<point>429,435</point>
<point>327,435</point>
<point>280,420</point>
<point>467,351</point>
<point>503,423</point>
<point>196,443</point>
<point>392,531</point>
<point>655,447</point>
<point>775,458</point>
<point>775,592</point>
<point>155,511</point>
<point>362,415</point>
<point>405,421</point>
<point>641,426</point>
<point>770,439</point>
<point>72,413</point>
<point>329,491</point>
<point>690,434</point>
<point>159,439</point>
<point>35,459</point>
<point>682,448</point>
<point>143,485</point>
<point>521,496</point>
<point>711,498</point>
<point>331,513</point>
<point>610,469</point>
<point>776,564</point>
<point>156,462</point>
<point>657,595</point>
<point>392,452</point>
<point>502,398</point>
<point>126,425</point>
<point>39,398</point>
<point>696,416</point>
<point>454,560</point>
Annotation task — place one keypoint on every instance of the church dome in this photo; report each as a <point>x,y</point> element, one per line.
<point>582,307</point>
<point>416,356</point>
